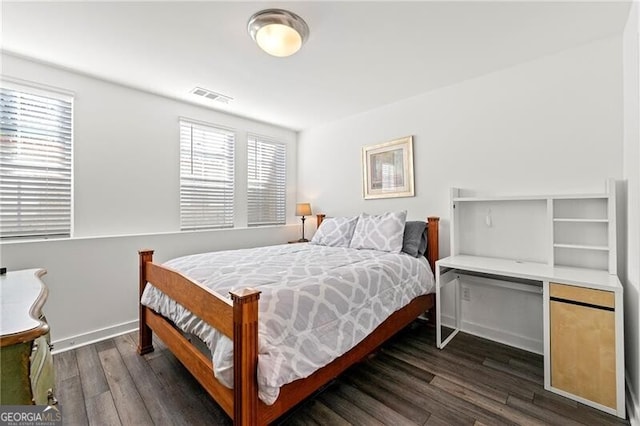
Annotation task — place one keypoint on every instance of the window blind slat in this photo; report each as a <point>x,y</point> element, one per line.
<point>266,189</point>
<point>35,164</point>
<point>207,156</point>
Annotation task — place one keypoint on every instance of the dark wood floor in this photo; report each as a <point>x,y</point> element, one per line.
<point>408,382</point>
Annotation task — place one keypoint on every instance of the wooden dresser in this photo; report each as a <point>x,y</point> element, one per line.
<point>26,362</point>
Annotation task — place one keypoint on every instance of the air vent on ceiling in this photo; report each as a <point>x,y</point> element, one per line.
<point>218,97</point>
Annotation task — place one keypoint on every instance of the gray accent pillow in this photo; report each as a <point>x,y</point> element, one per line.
<point>414,242</point>
<point>335,232</point>
<point>383,232</point>
<point>422,250</point>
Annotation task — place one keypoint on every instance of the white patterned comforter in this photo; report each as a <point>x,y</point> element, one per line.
<point>317,303</point>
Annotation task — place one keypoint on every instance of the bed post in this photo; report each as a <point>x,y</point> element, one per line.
<point>245,356</point>
<point>145,343</point>
<point>433,254</point>
<point>433,243</point>
<point>319,218</point>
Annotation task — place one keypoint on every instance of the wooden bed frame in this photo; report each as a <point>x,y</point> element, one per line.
<point>237,318</point>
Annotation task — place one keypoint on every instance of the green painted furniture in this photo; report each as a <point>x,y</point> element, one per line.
<point>26,363</point>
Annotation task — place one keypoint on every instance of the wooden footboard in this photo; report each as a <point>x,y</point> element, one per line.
<point>237,318</point>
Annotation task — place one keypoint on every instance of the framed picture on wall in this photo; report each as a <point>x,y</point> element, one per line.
<point>388,169</point>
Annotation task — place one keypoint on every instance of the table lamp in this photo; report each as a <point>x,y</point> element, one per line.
<point>303,209</point>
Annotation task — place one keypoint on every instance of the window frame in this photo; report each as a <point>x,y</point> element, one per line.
<point>61,95</point>
<point>285,148</point>
<point>229,218</point>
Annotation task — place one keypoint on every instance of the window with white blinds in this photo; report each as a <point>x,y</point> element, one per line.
<point>35,163</point>
<point>206,176</point>
<point>267,185</point>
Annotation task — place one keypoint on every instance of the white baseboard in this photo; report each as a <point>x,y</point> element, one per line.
<point>94,336</point>
<point>501,336</point>
<point>633,405</point>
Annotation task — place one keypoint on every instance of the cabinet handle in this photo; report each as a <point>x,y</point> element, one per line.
<point>52,400</point>
<point>583,304</point>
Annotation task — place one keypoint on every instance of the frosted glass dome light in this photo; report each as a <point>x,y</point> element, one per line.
<point>278,32</point>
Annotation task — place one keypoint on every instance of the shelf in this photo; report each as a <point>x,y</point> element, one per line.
<point>577,220</point>
<point>506,198</point>
<point>573,230</point>
<point>580,196</point>
<point>581,247</point>
<point>581,209</point>
<point>531,197</point>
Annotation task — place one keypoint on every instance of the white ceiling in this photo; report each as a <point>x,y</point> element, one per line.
<point>359,56</point>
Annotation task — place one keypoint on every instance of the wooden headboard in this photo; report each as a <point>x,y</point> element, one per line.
<point>433,242</point>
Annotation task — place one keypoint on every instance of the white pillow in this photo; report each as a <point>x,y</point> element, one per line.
<point>383,232</point>
<point>335,232</point>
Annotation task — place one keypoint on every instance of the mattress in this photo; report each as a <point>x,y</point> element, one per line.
<point>317,303</point>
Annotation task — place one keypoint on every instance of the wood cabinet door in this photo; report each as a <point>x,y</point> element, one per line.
<point>583,358</point>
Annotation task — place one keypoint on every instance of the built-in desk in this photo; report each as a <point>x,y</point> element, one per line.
<point>583,324</point>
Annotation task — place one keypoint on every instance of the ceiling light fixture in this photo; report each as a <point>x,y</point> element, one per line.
<point>278,32</point>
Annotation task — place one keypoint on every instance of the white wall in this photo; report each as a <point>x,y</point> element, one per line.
<point>93,282</point>
<point>553,125</point>
<point>126,152</point>
<point>631,170</point>
<point>126,181</point>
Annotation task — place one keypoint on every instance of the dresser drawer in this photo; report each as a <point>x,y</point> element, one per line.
<point>605,299</point>
<point>41,371</point>
<point>15,387</point>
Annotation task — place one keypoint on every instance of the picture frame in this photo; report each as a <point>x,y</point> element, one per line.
<point>388,169</point>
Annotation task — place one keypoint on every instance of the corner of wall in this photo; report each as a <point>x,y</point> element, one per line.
<point>631,162</point>
<point>633,405</point>
<point>622,230</point>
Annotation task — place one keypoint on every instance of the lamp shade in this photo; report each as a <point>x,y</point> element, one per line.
<point>278,32</point>
<point>303,209</point>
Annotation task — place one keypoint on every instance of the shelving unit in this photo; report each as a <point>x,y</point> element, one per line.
<point>567,245</point>
<point>574,230</point>
<point>582,224</point>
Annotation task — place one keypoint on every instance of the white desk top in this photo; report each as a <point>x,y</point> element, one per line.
<point>21,296</point>
<point>590,278</point>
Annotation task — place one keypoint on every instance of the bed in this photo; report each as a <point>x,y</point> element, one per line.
<point>236,319</point>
